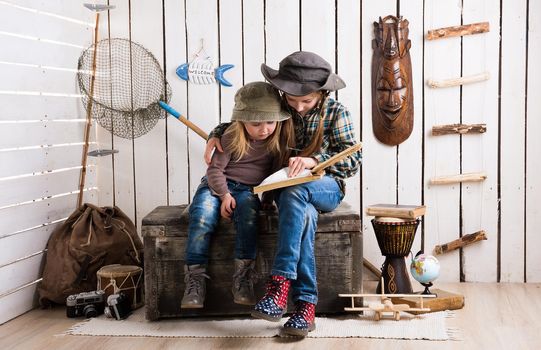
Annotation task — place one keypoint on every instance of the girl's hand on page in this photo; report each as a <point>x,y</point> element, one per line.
<point>213,143</point>
<point>298,164</point>
<point>228,205</point>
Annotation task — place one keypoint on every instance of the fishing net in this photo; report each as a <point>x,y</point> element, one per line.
<point>127,86</point>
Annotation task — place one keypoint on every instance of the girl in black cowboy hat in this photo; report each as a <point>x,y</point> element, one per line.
<point>323,128</point>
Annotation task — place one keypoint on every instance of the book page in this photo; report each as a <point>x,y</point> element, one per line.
<point>281,175</point>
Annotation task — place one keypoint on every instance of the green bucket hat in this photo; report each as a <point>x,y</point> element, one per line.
<point>258,102</point>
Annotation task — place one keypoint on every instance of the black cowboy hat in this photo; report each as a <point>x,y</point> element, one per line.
<point>302,73</point>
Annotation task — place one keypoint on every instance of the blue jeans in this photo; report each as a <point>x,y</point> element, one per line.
<point>298,208</point>
<point>205,216</point>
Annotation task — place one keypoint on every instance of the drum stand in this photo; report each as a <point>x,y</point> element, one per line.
<point>395,276</point>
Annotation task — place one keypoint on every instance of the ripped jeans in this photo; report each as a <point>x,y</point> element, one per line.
<point>205,216</point>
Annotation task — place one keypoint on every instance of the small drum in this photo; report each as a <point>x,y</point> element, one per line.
<point>116,278</point>
<point>395,237</point>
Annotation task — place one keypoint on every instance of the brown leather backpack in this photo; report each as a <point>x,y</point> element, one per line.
<point>89,239</point>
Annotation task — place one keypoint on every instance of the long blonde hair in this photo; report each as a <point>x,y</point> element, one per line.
<point>278,144</point>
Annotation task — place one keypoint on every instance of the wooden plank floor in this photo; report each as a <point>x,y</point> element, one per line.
<point>496,316</point>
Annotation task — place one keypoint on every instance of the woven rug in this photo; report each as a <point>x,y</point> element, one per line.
<point>430,326</point>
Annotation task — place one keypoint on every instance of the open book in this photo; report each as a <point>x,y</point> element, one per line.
<point>280,179</point>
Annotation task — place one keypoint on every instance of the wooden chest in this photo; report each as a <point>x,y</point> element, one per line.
<point>338,250</point>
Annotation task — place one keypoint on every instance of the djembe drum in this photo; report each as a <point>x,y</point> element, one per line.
<point>128,279</point>
<point>395,237</point>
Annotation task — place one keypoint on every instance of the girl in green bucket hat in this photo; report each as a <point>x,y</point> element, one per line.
<point>323,128</point>
<point>252,150</point>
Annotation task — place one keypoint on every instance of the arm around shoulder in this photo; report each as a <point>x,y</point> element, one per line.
<point>218,131</point>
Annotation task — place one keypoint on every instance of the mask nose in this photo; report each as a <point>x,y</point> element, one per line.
<point>393,99</point>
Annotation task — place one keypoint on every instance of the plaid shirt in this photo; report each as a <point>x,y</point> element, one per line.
<point>337,136</point>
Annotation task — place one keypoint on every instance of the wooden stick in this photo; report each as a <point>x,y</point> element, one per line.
<point>372,268</point>
<point>194,127</point>
<point>182,119</point>
<point>467,29</point>
<point>458,81</point>
<point>461,242</point>
<point>88,124</point>
<point>438,130</point>
<point>449,179</point>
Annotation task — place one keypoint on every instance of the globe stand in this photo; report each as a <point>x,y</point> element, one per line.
<point>427,291</point>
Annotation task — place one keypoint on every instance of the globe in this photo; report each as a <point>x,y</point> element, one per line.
<point>425,268</point>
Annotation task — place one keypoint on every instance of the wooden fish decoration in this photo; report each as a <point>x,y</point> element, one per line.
<point>201,71</point>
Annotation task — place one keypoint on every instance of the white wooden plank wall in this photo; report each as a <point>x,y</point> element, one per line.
<point>348,52</point>
<point>123,178</point>
<point>410,153</point>
<point>533,145</point>
<point>512,136</point>
<point>480,105</point>
<point>41,134</point>
<point>442,154</point>
<point>177,133</point>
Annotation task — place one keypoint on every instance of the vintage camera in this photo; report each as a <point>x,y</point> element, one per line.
<point>87,304</point>
<point>118,306</point>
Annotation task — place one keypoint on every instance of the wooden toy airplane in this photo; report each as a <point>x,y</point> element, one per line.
<point>385,304</point>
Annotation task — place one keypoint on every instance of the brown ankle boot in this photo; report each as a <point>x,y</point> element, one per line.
<point>195,289</point>
<point>243,282</point>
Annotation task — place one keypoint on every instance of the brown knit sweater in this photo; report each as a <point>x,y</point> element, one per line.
<point>250,170</point>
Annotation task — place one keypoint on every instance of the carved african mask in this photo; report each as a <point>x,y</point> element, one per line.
<point>392,90</point>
